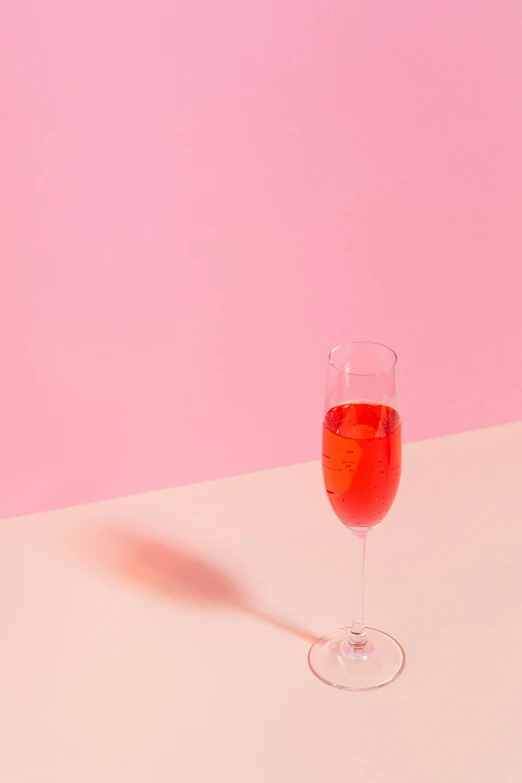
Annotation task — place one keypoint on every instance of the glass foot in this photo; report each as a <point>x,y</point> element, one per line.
<point>338,663</point>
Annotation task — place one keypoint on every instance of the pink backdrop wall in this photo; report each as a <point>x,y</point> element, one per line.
<point>197,199</point>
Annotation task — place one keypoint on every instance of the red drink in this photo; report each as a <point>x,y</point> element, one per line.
<point>361,461</point>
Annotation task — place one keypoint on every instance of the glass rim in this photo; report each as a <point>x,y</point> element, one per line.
<point>362,342</point>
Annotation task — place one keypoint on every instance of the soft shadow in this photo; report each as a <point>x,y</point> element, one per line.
<point>174,573</point>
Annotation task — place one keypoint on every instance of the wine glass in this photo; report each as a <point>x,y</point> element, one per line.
<point>361,472</point>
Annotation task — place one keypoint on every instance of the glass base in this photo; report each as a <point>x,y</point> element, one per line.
<point>338,663</point>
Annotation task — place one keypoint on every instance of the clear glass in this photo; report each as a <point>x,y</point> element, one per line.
<point>362,445</point>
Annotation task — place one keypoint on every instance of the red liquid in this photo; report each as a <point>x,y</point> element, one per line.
<point>361,461</point>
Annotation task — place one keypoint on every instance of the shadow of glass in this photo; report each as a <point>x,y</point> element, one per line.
<point>172,572</point>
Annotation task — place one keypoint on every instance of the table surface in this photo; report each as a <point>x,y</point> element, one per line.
<point>164,637</point>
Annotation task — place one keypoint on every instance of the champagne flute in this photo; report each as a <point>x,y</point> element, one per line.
<point>361,472</point>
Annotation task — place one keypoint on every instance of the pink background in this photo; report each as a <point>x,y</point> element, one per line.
<point>198,199</point>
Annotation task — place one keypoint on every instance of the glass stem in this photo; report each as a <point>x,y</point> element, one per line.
<point>358,632</point>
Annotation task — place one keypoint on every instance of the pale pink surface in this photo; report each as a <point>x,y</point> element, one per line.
<point>143,638</point>
<point>199,199</point>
